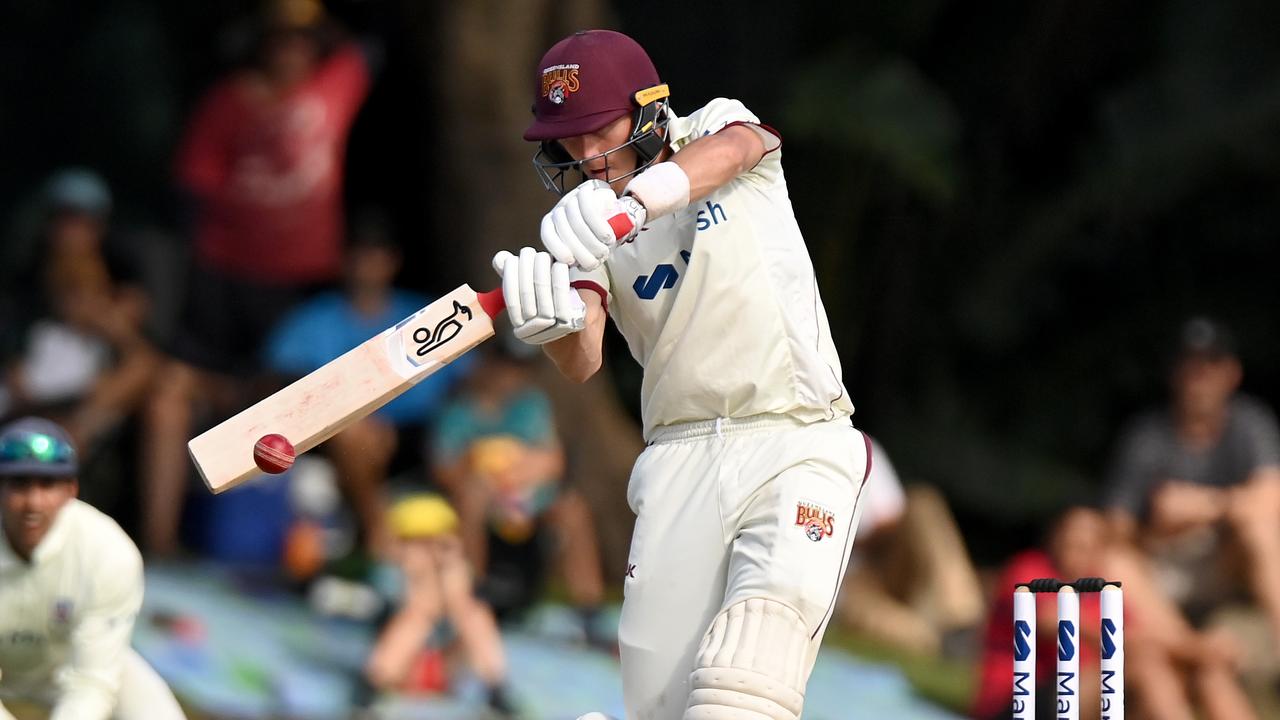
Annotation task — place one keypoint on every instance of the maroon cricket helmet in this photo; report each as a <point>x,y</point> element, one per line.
<point>587,81</point>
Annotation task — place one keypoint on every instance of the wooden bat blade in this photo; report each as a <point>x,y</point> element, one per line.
<point>348,388</point>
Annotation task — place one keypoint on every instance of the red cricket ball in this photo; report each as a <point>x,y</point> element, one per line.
<point>273,453</point>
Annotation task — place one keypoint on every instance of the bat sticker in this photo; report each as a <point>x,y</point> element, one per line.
<point>445,330</point>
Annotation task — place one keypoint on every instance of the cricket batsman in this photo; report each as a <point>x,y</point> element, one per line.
<point>70,589</point>
<point>746,496</point>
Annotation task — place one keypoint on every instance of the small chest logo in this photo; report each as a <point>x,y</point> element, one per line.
<point>62,611</point>
<point>817,521</point>
<point>559,82</point>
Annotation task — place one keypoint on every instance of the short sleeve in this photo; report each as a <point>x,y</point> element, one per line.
<point>1262,434</point>
<point>345,79</point>
<point>596,281</point>
<point>724,112</point>
<point>1133,468</point>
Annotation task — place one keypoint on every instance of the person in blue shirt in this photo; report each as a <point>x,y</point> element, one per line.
<point>332,323</point>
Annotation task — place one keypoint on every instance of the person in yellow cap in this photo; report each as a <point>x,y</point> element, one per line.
<point>437,589</point>
<point>496,451</point>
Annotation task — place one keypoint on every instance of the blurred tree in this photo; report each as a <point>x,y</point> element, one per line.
<point>1008,270</point>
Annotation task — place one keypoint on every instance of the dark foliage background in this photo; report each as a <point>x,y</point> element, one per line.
<point>1011,205</point>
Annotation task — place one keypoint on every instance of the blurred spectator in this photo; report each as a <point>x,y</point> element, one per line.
<point>497,453</point>
<point>1197,485</point>
<point>70,590</point>
<point>910,581</point>
<point>1072,548</point>
<point>83,357</point>
<point>1171,669</point>
<point>437,602</point>
<point>332,323</point>
<point>262,161</point>
<point>1166,661</point>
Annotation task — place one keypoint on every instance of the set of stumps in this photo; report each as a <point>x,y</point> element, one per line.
<point>1111,650</point>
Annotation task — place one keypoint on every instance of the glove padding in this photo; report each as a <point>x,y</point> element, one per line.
<point>588,223</point>
<point>540,303</point>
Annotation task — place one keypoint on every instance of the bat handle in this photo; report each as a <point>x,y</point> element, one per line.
<point>491,302</point>
<point>623,223</point>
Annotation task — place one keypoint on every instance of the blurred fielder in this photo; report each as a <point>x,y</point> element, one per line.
<point>746,497</point>
<point>70,589</point>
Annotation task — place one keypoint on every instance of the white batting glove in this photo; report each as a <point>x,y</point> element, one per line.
<point>540,303</point>
<point>588,223</point>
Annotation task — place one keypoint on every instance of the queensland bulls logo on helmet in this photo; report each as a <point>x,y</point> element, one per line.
<point>817,521</point>
<point>559,82</point>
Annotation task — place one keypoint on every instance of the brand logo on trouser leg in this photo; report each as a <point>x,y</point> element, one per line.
<point>817,521</point>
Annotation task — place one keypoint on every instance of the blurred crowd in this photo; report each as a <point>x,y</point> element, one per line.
<point>441,514</point>
<point>455,496</point>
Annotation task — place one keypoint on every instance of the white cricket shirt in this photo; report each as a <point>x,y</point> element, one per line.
<point>719,302</point>
<point>67,617</point>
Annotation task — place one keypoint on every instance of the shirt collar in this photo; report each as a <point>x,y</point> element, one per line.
<point>679,130</point>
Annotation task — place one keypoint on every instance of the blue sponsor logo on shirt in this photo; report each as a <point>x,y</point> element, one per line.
<point>663,277</point>
<point>711,216</point>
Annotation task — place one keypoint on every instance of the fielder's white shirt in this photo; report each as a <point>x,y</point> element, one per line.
<point>719,302</point>
<point>66,617</point>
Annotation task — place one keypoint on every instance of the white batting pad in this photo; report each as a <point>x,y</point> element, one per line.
<point>752,664</point>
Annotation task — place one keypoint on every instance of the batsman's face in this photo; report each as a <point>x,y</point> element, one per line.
<point>28,507</point>
<point>595,147</point>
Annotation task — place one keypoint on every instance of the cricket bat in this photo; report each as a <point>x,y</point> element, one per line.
<point>348,388</point>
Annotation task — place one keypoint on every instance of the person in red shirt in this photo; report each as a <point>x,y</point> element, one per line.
<point>1074,544</point>
<point>262,161</point>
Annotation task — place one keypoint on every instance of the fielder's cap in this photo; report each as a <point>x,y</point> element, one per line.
<point>587,81</point>
<point>78,189</point>
<point>1202,336</point>
<point>423,516</point>
<point>35,446</point>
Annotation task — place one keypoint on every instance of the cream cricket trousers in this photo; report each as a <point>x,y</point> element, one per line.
<point>143,694</point>
<point>761,507</point>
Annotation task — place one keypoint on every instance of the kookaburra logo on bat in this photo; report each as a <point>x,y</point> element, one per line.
<point>445,330</point>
